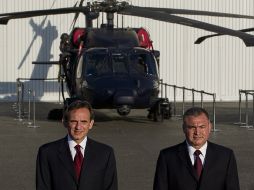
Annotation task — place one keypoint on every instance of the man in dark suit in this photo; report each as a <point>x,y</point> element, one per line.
<point>76,162</point>
<point>211,167</point>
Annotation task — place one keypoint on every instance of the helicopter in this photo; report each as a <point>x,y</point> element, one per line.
<point>117,67</point>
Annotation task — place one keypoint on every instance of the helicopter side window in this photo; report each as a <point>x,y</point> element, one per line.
<point>152,65</point>
<point>143,63</point>
<point>90,65</point>
<point>90,68</point>
<point>139,65</point>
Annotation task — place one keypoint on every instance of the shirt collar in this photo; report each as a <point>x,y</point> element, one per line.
<point>72,143</point>
<point>191,149</point>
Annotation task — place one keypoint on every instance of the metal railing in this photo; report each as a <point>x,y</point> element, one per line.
<point>19,105</point>
<point>164,90</point>
<point>45,79</point>
<point>246,123</point>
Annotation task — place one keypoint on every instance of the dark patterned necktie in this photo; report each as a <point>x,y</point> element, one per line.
<point>78,160</point>
<point>198,164</point>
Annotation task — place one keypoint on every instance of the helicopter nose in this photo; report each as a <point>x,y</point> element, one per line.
<point>124,97</point>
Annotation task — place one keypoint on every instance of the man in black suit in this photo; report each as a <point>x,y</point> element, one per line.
<point>216,165</point>
<point>61,165</point>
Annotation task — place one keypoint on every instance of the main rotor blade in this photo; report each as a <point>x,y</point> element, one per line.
<point>5,17</point>
<point>203,38</point>
<point>196,12</point>
<point>76,14</point>
<point>162,16</point>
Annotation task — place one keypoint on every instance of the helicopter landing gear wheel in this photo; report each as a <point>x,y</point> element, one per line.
<point>160,110</point>
<point>158,115</point>
<point>124,110</point>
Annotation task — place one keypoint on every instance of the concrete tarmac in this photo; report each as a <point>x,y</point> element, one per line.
<point>135,139</point>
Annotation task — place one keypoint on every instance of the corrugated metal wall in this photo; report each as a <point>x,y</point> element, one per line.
<point>220,65</point>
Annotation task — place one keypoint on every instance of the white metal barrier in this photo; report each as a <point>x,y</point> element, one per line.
<point>19,105</point>
<point>246,123</point>
<point>164,87</point>
<point>32,125</point>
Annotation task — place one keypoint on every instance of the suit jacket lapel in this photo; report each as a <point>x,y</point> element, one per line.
<point>210,159</point>
<point>87,162</point>
<point>66,159</point>
<point>185,159</point>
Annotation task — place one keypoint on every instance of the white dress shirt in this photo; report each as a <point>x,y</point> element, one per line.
<point>191,151</point>
<point>72,145</point>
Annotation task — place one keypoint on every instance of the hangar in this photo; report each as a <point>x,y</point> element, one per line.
<point>221,65</point>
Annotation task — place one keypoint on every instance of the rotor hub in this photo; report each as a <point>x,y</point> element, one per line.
<point>109,6</point>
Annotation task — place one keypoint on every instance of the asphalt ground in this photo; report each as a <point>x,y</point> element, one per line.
<point>135,139</point>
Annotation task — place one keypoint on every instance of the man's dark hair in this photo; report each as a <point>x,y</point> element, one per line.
<point>195,111</point>
<point>77,104</point>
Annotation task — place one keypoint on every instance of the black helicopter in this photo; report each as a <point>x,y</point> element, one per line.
<point>117,67</point>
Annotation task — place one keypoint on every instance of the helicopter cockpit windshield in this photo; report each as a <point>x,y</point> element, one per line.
<point>103,61</point>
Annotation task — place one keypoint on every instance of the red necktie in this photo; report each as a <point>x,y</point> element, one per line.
<point>78,160</point>
<point>198,164</point>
